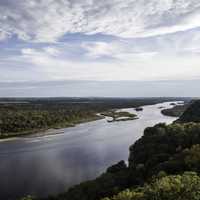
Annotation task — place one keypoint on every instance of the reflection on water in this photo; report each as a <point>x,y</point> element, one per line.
<point>48,165</point>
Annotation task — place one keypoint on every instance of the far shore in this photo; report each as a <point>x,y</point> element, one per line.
<point>46,131</point>
<point>58,129</point>
<point>116,115</point>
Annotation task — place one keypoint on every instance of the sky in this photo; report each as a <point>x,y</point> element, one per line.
<point>75,47</point>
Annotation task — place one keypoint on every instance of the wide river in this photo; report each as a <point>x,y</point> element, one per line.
<point>50,164</point>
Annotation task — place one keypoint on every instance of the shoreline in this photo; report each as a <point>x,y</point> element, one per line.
<point>54,130</point>
<point>46,131</point>
<point>176,111</point>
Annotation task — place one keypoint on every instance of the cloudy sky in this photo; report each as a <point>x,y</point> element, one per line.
<point>53,41</point>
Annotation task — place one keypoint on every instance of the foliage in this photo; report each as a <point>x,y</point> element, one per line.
<point>179,187</point>
<point>156,149</point>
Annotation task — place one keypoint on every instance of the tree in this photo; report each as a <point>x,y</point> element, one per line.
<point>179,187</point>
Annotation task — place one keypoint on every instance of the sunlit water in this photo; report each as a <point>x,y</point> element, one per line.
<point>50,164</point>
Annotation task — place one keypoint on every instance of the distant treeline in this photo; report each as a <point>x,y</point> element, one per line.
<point>27,115</point>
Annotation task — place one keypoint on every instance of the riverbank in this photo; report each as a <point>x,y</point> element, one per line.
<point>115,114</point>
<point>52,130</point>
<point>175,111</point>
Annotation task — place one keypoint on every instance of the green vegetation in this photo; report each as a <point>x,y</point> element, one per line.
<point>119,116</point>
<point>179,187</point>
<point>29,115</point>
<point>176,111</point>
<point>29,119</point>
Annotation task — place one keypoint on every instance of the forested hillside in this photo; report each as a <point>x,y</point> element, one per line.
<point>192,114</point>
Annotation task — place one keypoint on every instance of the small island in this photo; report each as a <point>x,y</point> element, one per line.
<point>139,109</point>
<point>119,116</point>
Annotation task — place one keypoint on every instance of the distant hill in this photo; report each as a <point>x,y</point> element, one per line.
<point>192,113</point>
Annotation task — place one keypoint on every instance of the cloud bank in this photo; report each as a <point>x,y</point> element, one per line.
<point>49,20</point>
<point>103,40</point>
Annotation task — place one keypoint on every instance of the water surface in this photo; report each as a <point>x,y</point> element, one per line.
<point>50,164</point>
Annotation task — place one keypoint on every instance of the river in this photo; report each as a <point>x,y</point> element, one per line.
<point>50,164</point>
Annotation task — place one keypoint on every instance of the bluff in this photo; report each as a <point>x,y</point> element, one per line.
<point>192,114</point>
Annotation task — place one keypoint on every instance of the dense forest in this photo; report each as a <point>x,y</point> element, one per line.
<point>28,115</point>
<point>164,164</point>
